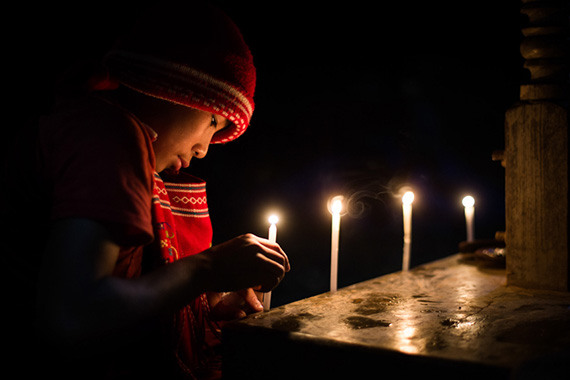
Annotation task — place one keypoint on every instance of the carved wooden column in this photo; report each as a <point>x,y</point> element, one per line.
<point>536,154</point>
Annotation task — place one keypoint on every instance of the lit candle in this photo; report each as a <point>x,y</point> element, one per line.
<point>335,209</point>
<point>273,219</point>
<point>407,200</point>
<point>469,204</point>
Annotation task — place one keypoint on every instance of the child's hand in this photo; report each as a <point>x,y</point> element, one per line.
<point>247,261</point>
<point>233,305</point>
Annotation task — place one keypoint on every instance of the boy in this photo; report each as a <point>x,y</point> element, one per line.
<point>128,283</point>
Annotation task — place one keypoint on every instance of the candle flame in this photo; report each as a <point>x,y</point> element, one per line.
<point>273,219</point>
<point>408,197</point>
<point>335,204</point>
<point>468,201</point>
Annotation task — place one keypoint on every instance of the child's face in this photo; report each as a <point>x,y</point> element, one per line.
<point>183,133</point>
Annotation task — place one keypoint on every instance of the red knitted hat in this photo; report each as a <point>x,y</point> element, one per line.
<point>192,54</point>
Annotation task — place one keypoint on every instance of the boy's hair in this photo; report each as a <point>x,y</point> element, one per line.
<point>193,54</point>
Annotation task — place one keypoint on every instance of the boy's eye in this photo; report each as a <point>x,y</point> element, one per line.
<point>214,122</point>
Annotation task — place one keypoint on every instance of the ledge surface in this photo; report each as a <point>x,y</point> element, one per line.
<point>450,316</point>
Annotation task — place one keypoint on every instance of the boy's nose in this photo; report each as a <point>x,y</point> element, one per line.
<point>200,150</point>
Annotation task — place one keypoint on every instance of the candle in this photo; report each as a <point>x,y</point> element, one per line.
<point>273,219</point>
<point>335,208</point>
<point>469,204</point>
<point>407,200</point>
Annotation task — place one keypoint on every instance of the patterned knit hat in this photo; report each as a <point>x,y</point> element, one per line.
<point>192,54</point>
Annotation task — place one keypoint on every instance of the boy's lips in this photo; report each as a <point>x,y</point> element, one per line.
<point>179,164</point>
<point>183,162</point>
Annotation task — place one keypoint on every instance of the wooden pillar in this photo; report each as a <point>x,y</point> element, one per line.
<point>536,154</point>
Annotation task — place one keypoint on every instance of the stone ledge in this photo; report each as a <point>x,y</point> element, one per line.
<point>449,318</point>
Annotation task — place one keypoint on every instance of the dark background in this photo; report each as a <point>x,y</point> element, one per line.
<point>357,99</point>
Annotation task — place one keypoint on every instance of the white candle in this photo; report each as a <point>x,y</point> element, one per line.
<point>335,208</point>
<point>407,200</point>
<point>273,219</point>
<point>469,204</point>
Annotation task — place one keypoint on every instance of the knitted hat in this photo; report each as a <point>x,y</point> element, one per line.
<point>192,54</point>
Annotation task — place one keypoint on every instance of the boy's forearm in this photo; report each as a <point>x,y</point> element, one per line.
<point>81,300</point>
<point>120,303</point>
<point>174,285</point>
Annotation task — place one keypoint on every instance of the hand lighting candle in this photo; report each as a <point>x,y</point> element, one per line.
<point>469,204</point>
<point>273,219</point>
<point>335,206</point>
<point>407,200</point>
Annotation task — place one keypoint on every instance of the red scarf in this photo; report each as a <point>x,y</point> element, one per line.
<point>183,228</point>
